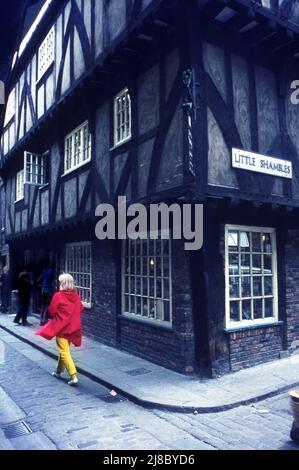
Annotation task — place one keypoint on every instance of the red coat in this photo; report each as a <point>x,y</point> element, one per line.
<point>65,313</point>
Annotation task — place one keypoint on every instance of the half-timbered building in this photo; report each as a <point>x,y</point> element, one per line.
<point>162,101</point>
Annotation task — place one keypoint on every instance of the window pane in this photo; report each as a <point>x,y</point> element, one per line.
<point>268,264</point>
<point>268,285</point>
<point>159,267</point>
<point>267,245</point>
<point>145,307</point>
<point>138,305</point>
<point>245,241</point>
<point>257,286</point>
<point>234,287</point>
<point>245,264</point>
<point>233,263</point>
<point>258,308</point>
<point>256,264</point>
<point>235,311</point>
<point>246,286</point>
<point>269,312</point>
<point>256,242</point>
<point>152,312</point>
<point>233,241</point>
<point>166,311</point>
<point>152,266</point>
<point>246,309</point>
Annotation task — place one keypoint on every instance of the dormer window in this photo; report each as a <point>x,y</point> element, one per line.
<point>11,107</point>
<point>122,117</point>
<point>46,53</point>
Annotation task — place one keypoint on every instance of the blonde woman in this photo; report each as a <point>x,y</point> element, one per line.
<point>65,323</point>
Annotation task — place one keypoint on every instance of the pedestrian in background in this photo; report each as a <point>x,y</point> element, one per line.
<point>5,289</point>
<point>46,282</point>
<point>65,324</point>
<point>24,294</point>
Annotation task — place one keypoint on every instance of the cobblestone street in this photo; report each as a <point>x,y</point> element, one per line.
<point>88,417</point>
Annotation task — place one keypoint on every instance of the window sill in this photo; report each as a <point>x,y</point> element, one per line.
<point>68,172</point>
<point>19,200</point>
<point>146,321</point>
<point>43,186</point>
<point>123,142</point>
<point>256,326</point>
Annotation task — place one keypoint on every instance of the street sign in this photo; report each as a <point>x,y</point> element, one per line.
<point>250,161</point>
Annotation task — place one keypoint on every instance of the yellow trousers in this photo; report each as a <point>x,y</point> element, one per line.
<point>65,360</point>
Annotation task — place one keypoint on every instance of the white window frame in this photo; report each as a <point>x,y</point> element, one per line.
<point>46,53</point>
<point>10,107</point>
<point>74,158</point>
<point>69,266</point>
<point>122,118</point>
<point>260,321</point>
<point>132,314</point>
<point>35,169</point>
<point>20,178</point>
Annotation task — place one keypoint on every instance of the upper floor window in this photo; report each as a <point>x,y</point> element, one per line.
<point>35,171</point>
<point>251,276</point>
<point>20,186</point>
<point>11,107</point>
<point>122,117</point>
<point>147,279</point>
<point>46,53</point>
<point>78,264</point>
<point>77,148</point>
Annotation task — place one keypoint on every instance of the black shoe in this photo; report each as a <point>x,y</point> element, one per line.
<point>17,322</point>
<point>26,323</point>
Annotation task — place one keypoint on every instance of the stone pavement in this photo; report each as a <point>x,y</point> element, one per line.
<point>88,418</point>
<point>153,386</point>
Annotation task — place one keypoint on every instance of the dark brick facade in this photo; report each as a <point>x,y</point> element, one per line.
<point>292,288</point>
<point>171,347</point>
<point>254,346</point>
<point>100,321</point>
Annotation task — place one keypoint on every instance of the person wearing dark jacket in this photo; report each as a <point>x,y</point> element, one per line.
<point>5,289</point>
<point>65,324</point>
<point>24,292</point>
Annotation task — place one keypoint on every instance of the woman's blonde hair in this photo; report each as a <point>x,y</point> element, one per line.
<point>66,282</point>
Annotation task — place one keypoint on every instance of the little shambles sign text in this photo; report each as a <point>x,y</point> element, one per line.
<point>261,163</point>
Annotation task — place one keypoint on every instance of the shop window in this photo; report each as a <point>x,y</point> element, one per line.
<point>122,117</point>
<point>78,264</point>
<point>251,276</point>
<point>46,53</point>
<point>77,148</point>
<point>147,279</point>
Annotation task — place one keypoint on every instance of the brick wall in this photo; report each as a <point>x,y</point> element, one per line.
<point>252,347</point>
<point>100,321</point>
<point>292,287</point>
